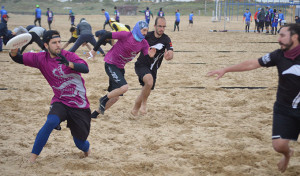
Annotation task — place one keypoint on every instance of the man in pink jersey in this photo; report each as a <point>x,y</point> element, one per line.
<point>62,70</point>
<point>129,44</point>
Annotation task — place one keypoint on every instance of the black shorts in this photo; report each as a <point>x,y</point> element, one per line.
<point>116,76</point>
<point>176,23</point>
<point>49,22</point>
<point>267,23</point>
<point>286,122</point>
<point>191,21</point>
<point>78,120</point>
<point>261,24</point>
<point>141,71</point>
<point>72,40</point>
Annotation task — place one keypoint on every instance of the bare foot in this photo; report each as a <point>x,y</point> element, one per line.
<point>283,163</point>
<point>143,110</point>
<point>32,158</point>
<point>86,154</point>
<point>134,112</point>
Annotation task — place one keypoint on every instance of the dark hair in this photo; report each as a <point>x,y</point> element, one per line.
<point>274,10</point>
<point>115,7</point>
<point>156,19</point>
<point>160,9</point>
<point>72,29</point>
<point>49,35</point>
<point>102,10</point>
<point>147,8</point>
<point>294,28</point>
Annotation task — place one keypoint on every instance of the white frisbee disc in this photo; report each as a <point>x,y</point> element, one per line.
<point>18,41</point>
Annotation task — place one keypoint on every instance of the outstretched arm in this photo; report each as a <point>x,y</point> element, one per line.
<point>101,41</point>
<point>243,66</point>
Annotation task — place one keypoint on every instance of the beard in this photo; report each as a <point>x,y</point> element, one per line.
<point>54,52</point>
<point>286,47</point>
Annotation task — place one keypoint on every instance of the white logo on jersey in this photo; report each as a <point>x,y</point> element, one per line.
<point>266,58</point>
<point>295,70</point>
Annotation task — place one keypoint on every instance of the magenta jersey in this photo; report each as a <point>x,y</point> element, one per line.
<point>125,49</point>
<point>67,84</point>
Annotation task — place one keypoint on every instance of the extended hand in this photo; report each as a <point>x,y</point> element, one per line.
<point>220,73</point>
<point>63,60</point>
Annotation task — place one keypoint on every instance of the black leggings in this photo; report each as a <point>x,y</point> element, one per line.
<point>176,24</point>
<point>37,19</point>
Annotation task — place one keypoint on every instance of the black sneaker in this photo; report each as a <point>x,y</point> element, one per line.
<point>58,127</point>
<point>94,115</point>
<point>102,105</point>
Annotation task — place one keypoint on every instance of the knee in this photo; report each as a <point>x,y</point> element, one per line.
<point>82,145</point>
<point>148,81</point>
<point>124,88</point>
<point>279,145</point>
<point>52,121</point>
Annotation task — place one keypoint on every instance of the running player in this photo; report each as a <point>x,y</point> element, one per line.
<point>177,20</point>
<point>62,70</point>
<point>191,16</point>
<point>146,67</point>
<point>117,14</point>
<point>129,44</point>
<point>50,17</point>
<point>38,15</point>
<point>147,13</point>
<point>247,18</point>
<point>161,13</point>
<point>286,111</point>
<point>107,18</point>
<point>72,17</point>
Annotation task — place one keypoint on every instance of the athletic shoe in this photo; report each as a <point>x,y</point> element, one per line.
<point>94,115</point>
<point>58,127</point>
<point>102,105</point>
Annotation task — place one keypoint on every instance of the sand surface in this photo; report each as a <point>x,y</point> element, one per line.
<point>194,125</point>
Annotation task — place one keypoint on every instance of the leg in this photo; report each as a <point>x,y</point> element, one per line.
<point>141,101</point>
<point>1,44</point>
<point>83,146</point>
<point>77,44</point>
<point>38,41</point>
<point>35,20</point>
<point>282,146</point>
<point>43,135</point>
<point>40,22</point>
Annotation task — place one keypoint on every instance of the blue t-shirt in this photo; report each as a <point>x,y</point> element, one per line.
<point>177,14</point>
<point>191,16</point>
<point>281,16</point>
<point>247,15</point>
<point>106,16</point>
<point>38,13</point>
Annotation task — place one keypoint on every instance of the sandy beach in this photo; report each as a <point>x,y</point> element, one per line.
<point>195,125</point>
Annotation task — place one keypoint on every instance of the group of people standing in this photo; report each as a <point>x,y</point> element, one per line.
<point>268,19</point>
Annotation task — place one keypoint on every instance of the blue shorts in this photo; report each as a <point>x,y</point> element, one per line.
<point>286,122</point>
<point>274,24</point>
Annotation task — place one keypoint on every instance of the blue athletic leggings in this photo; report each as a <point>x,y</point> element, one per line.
<point>44,133</point>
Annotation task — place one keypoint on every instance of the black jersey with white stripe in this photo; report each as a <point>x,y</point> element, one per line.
<point>161,44</point>
<point>288,91</point>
